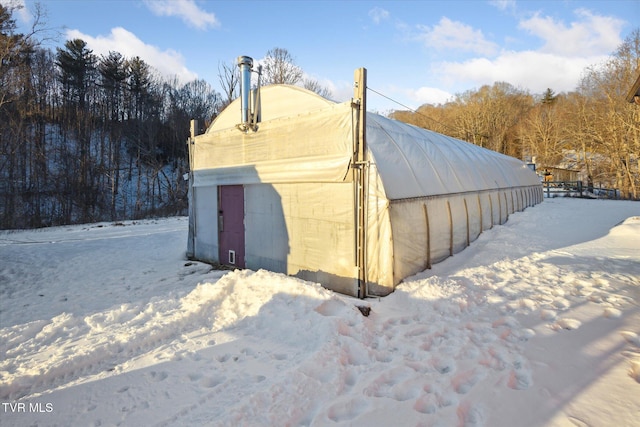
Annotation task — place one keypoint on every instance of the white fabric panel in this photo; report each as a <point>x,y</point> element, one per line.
<point>439,229</point>
<point>409,227</point>
<point>322,136</point>
<point>321,234</point>
<point>379,252</point>
<point>504,207</point>
<point>511,200</point>
<point>499,206</point>
<point>475,216</point>
<point>330,168</point>
<point>266,234</point>
<point>494,206</point>
<point>411,250</point>
<point>290,228</point>
<point>206,223</point>
<point>459,223</point>
<point>487,220</point>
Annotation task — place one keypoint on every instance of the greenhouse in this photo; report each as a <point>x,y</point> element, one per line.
<point>291,182</point>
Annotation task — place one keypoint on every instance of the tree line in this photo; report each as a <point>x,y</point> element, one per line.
<point>87,138</point>
<point>593,129</point>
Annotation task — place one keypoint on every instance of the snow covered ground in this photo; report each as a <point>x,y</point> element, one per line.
<point>536,324</point>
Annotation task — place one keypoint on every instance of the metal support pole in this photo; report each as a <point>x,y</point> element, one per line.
<point>360,171</point>
<point>191,237</point>
<point>450,229</point>
<point>426,219</point>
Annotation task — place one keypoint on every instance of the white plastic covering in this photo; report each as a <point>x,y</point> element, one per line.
<point>415,162</point>
<point>275,102</point>
<point>429,195</point>
<point>306,148</point>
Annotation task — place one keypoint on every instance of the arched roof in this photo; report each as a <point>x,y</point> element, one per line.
<point>276,101</point>
<point>415,162</point>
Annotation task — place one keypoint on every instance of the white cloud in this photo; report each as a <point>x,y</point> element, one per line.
<point>430,95</point>
<point>504,4</point>
<point>20,9</point>
<point>590,34</point>
<point>185,9</point>
<point>532,70</point>
<point>169,62</point>
<point>378,15</point>
<point>454,35</point>
<point>567,50</point>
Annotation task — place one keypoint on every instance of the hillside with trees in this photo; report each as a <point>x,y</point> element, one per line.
<point>87,138</point>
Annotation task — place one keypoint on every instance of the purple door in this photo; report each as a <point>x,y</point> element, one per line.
<point>231,225</point>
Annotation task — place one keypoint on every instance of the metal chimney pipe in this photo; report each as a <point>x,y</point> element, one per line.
<point>245,63</point>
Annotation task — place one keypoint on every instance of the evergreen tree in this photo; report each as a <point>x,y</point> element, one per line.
<point>77,69</point>
<point>549,97</point>
<point>77,66</point>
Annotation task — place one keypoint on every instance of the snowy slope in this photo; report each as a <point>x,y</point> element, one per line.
<point>537,323</point>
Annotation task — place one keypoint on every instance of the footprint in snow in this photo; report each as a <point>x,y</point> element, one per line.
<point>471,415</point>
<point>612,313</point>
<point>562,303</point>
<point>443,365</point>
<point>158,376</point>
<point>211,382</point>
<point>464,381</point>
<point>194,376</point>
<point>348,411</point>
<point>567,323</point>
<point>631,337</point>
<point>546,314</point>
<point>426,404</point>
<point>519,379</point>
<point>350,379</point>
<point>634,371</point>
<point>248,352</point>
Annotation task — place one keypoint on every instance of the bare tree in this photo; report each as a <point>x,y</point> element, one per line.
<point>540,134</point>
<point>610,118</point>
<point>315,86</point>
<point>200,101</point>
<point>15,47</point>
<point>279,68</point>
<point>229,77</point>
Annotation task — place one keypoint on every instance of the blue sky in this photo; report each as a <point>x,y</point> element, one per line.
<point>415,52</point>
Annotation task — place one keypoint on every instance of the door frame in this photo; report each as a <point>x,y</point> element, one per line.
<point>231,228</point>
